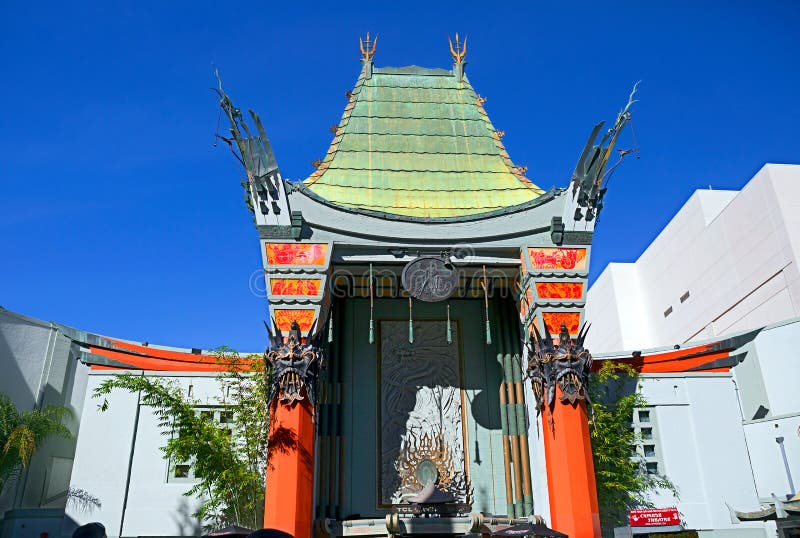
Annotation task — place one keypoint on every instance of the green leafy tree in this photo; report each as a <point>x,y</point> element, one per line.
<point>229,459</point>
<point>623,483</point>
<point>21,433</point>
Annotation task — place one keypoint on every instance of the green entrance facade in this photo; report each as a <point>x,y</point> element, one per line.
<point>417,280</point>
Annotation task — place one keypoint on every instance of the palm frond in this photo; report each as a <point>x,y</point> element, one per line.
<point>22,441</point>
<point>22,433</point>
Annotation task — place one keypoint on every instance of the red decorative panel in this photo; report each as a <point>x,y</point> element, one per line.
<point>559,290</point>
<point>296,253</point>
<point>555,319</point>
<point>295,286</point>
<point>558,258</point>
<point>284,319</point>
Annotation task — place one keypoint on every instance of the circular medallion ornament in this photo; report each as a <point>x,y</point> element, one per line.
<point>427,473</point>
<point>430,279</point>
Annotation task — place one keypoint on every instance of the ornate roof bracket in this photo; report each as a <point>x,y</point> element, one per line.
<point>590,178</point>
<point>266,192</point>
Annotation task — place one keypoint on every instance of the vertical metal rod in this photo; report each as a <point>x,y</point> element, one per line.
<point>504,428</point>
<point>506,448</point>
<point>410,321</point>
<point>449,329</point>
<point>485,286</point>
<point>522,422</point>
<point>513,418</point>
<point>330,445</point>
<point>340,393</point>
<point>792,491</point>
<point>335,417</point>
<point>322,462</point>
<point>331,455</point>
<point>371,308</point>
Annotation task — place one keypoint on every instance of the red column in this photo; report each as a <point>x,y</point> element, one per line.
<point>289,498</point>
<point>570,470</point>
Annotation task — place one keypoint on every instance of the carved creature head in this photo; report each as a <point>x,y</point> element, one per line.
<point>566,365</point>
<point>294,363</point>
<point>573,364</point>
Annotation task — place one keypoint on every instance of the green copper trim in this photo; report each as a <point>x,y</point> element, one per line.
<point>546,197</point>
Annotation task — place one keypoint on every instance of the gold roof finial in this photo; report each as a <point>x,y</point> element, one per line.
<point>459,51</point>
<point>367,53</point>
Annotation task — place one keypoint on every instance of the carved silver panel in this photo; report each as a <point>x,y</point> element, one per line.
<point>420,397</point>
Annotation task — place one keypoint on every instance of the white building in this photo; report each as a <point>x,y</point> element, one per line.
<point>728,261</point>
<point>726,264</point>
<point>115,456</point>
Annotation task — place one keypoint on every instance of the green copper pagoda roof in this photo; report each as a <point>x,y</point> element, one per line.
<point>417,142</point>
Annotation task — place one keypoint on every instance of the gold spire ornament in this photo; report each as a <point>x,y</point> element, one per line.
<point>459,51</point>
<point>367,47</point>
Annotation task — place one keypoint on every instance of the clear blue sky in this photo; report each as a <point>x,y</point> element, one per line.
<point>117,215</point>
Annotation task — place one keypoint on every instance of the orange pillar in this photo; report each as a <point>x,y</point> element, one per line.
<point>570,470</point>
<point>289,498</point>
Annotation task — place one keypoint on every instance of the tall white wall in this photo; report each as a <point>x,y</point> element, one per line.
<point>768,465</point>
<point>715,433</point>
<point>700,446</point>
<point>777,350</point>
<point>620,288</point>
<point>735,253</point>
<point>768,379</point>
<point>110,464</point>
<point>40,368</point>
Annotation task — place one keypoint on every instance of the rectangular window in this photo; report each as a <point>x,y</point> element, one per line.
<point>685,296</point>
<point>647,450</point>
<point>668,311</point>
<point>183,471</point>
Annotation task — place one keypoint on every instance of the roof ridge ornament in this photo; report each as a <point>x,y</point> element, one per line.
<point>254,153</point>
<point>591,176</point>
<point>367,53</point>
<point>368,46</point>
<point>458,52</point>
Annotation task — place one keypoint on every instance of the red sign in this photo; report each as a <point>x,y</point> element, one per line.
<point>656,517</point>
